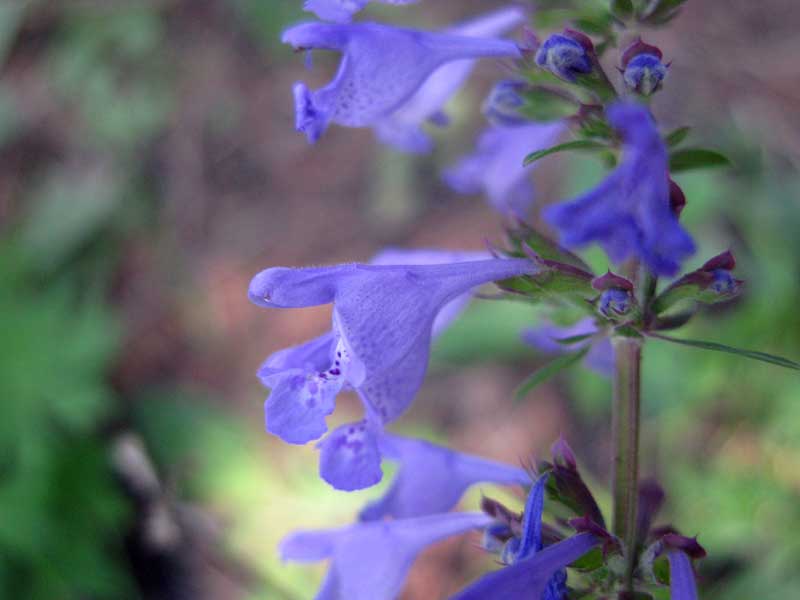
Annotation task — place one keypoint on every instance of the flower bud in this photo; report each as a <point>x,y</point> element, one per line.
<point>616,298</point>
<point>677,199</point>
<point>615,303</point>
<point>503,103</point>
<point>566,55</point>
<point>642,69</point>
<point>709,284</point>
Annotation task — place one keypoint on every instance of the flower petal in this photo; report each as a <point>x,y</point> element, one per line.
<point>432,478</point>
<point>303,391</point>
<point>381,68</point>
<point>371,560</point>
<point>349,457</point>
<point>496,165</point>
<point>529,578</point>
<point>385,316</point>
<point>681,577</point>
<point>629,212</point>
<point>403,127</point>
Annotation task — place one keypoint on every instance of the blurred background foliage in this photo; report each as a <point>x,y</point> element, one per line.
<point>148,168</point>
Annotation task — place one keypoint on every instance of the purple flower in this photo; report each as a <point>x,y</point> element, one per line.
<point>342,11</point>
<point>381,68</point>
<point>681,576</point>
<point>370,561</point>
<point>531,576</point>
<point>642,69</point>
<point>432,479</point>
<point>644,74</point>
<point>629,212</point>
<point>566,55</point>
<point>530,540</point>
<point>599,358</point>
<point>306,378</point>
<point>383,320</point>
<point>403,128</point>
<point>504,102</point>
<point>495,168</point>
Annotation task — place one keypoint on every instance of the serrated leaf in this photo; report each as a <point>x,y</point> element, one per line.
<point>547,371</point>
<point>696,158</point>
<point>566,146</point>
<point>676,136</point>
<point>752,354</point>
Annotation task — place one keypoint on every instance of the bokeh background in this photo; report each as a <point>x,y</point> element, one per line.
<point>148,168</point>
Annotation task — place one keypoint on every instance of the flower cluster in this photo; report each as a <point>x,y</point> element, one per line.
<point>386,313</point>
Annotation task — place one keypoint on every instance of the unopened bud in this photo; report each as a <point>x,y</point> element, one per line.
<point>643,70</point>
<point>566,55</point>
<point>503,103</point>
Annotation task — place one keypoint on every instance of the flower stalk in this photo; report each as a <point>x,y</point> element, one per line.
<point>625,424</point>
<point>625,421</point>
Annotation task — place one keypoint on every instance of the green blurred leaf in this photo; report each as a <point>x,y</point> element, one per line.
<point>547,371</point>
<point>752,354</point>
<point>696,158</point>
<point>591,561</point>
<point>622,8</point>
<point>541,103</point>
<point>590,145</point>
<point>573,339</point>
<point>676,136</point>
<point>65,211</point>
<point>662,11</point>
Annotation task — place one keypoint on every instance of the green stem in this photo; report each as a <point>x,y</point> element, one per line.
<point>625,424</point>
<point>625,421</point>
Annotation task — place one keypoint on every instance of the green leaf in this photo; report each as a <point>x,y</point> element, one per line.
<point>573,145</point>
<point>676,136</point>
<point>573,339</point>
<point>622,8</point>
<point>543,246</point>
<point>753,354</point>
<point>547,371</point>
<point>663,11</point>
<point>696,158</point>
<point>591,561</point>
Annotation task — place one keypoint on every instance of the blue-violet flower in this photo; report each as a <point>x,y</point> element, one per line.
<point>495,167</point>
<point>342,11</point>
<point>383,319</point>
<point>381,68</point>
<point>566,55</point>
<point>370,561</point>
<point>431,479</point>
<point>402,129</point>
<point>629,212</point>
